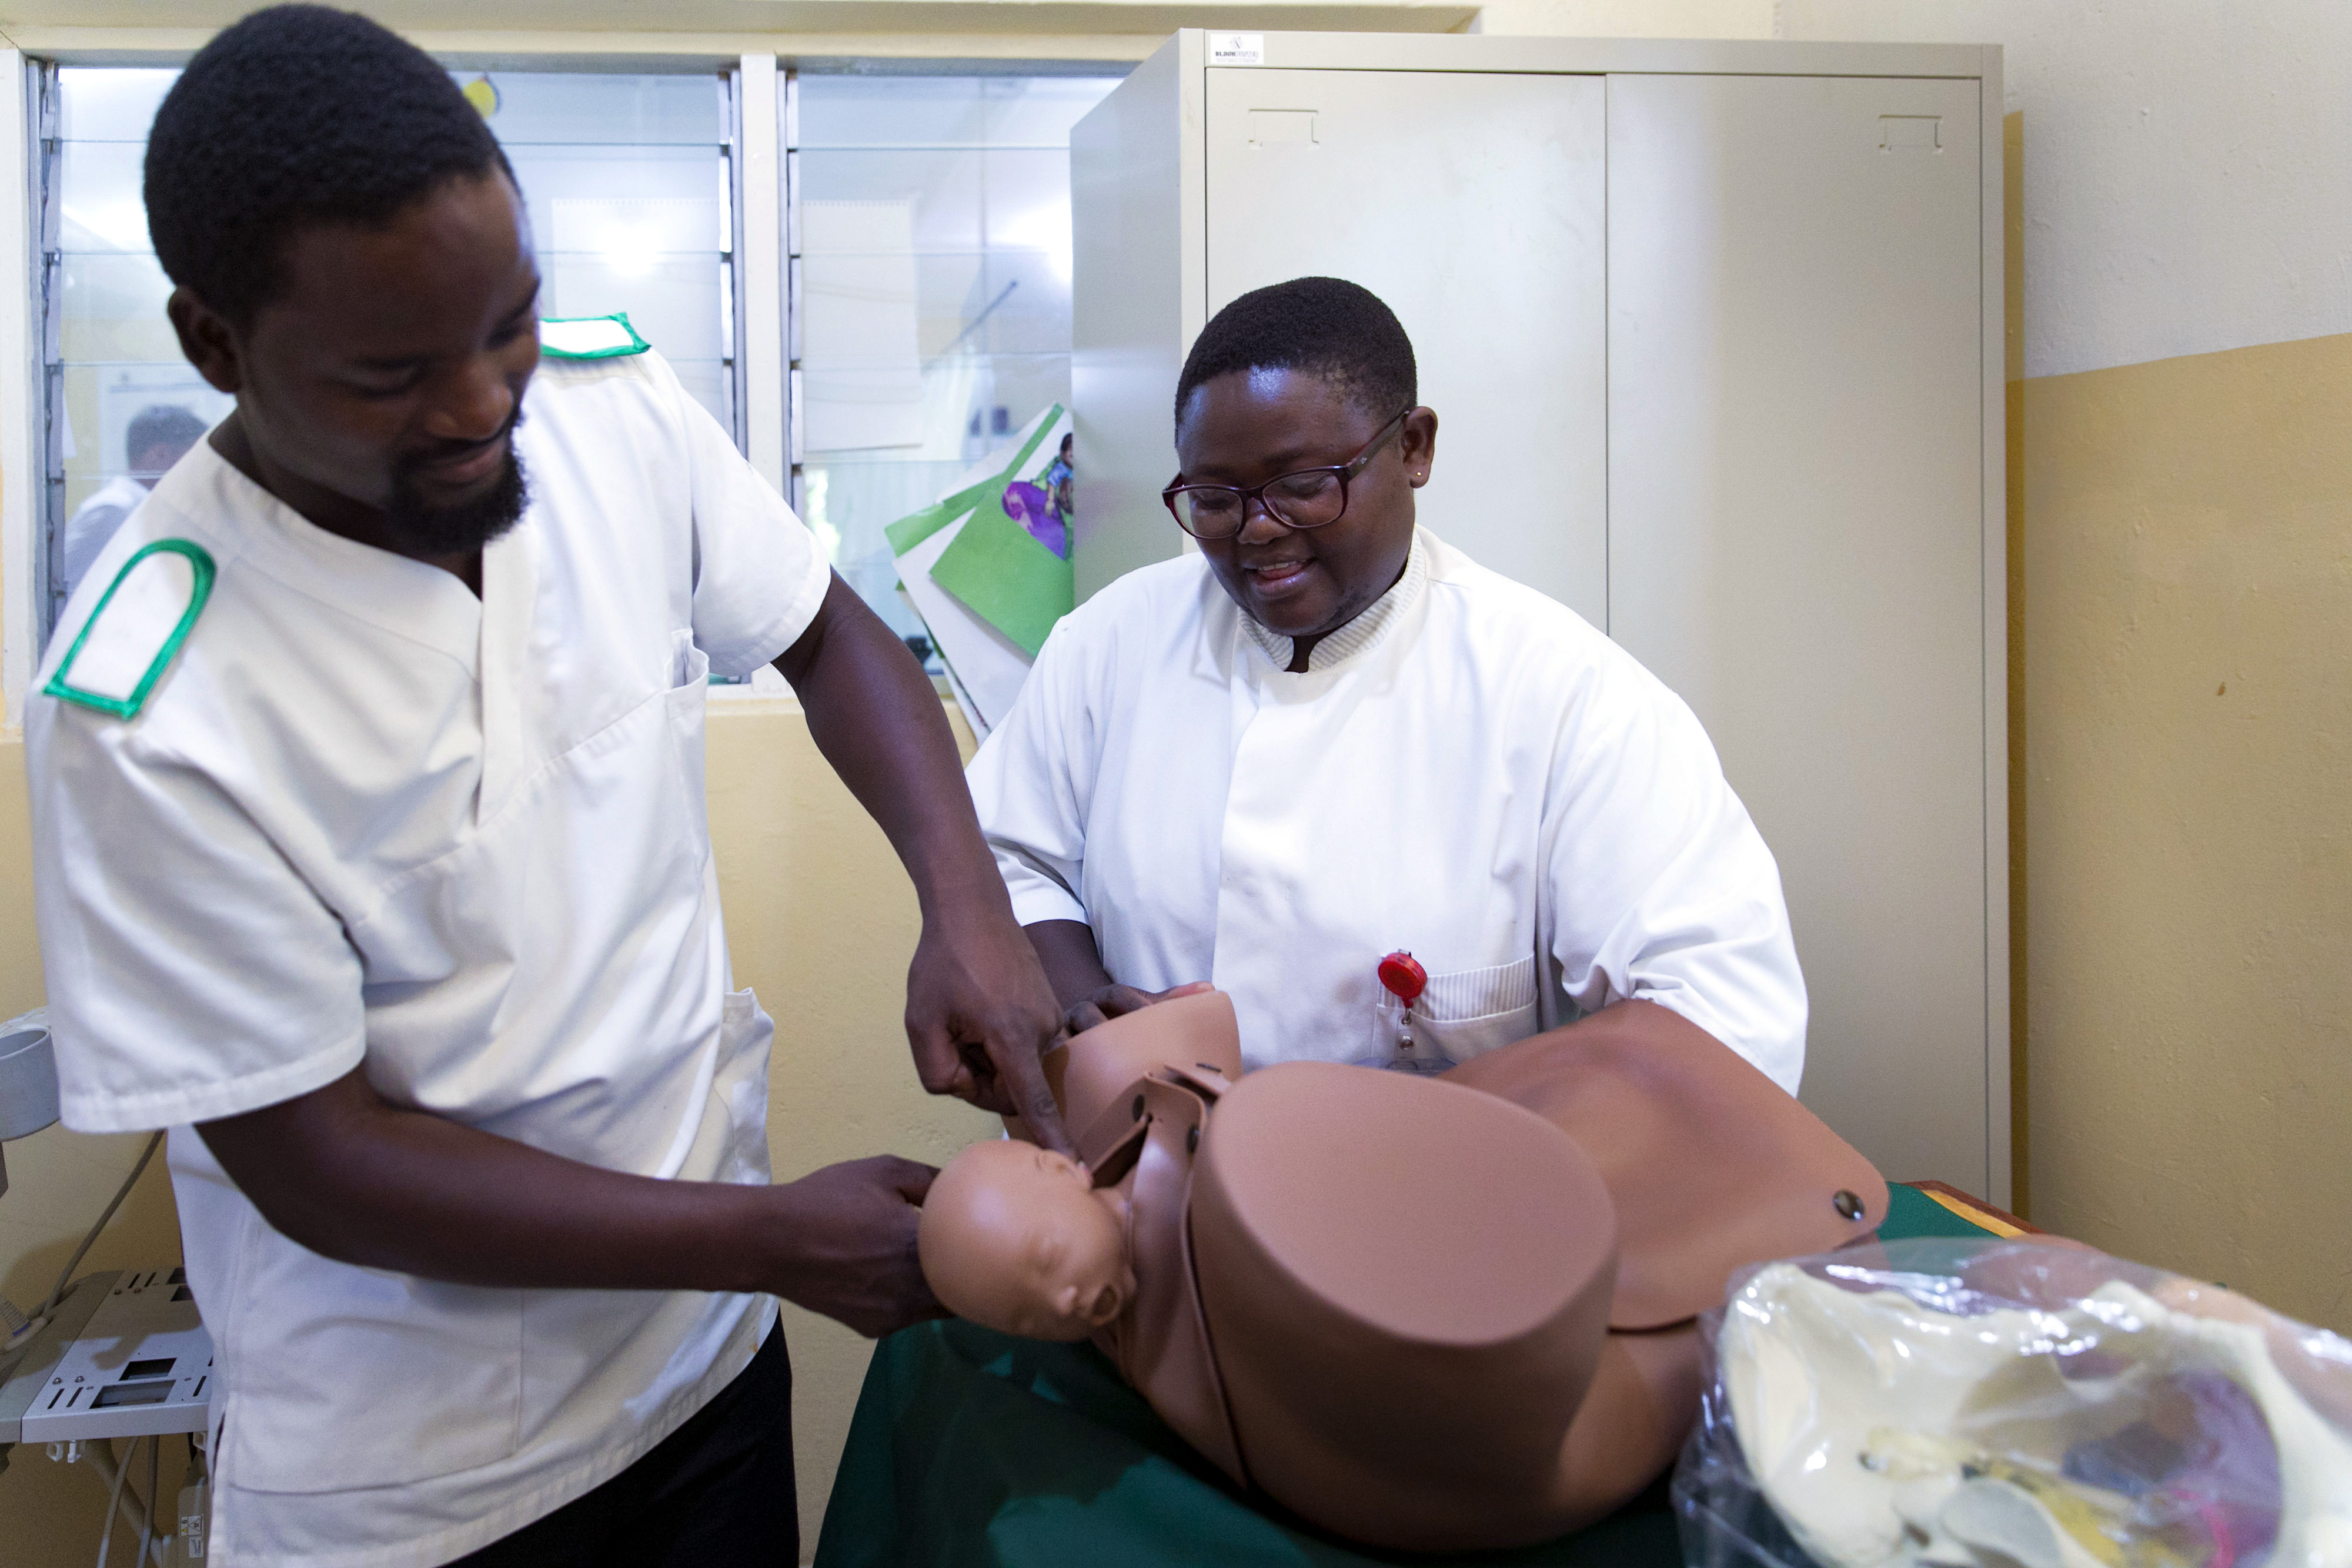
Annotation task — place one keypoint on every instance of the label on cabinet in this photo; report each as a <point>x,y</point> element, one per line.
<point>1237,49</point>
<point>1274,127</point>
<point>1923,132</point>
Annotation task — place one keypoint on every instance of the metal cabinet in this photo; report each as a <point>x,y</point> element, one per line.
<point>1712,331</point>
<point>1335,173</point>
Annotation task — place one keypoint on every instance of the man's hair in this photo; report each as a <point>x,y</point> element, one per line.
<point>162,424</point>
<point>297,115</point>
<point>1323,326</point>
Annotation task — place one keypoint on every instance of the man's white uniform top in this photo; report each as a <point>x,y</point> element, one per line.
<point>1467,771</point>
<point>367,819</point>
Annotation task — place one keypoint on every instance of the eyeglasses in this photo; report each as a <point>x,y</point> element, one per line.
<point>1307,499</point>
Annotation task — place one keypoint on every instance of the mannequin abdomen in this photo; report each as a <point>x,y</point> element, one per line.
<point>1406,1285</point>
<point>1639,1408</point>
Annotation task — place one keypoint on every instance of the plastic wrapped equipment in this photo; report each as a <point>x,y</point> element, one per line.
<point>1939,1404</point>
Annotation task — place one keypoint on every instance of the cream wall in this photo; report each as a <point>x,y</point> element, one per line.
<point>1628,18</point>
<point>2185,196</point>
<point>822,923</point>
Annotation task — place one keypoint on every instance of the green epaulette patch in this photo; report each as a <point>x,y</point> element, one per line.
<point>154,602</point>
<point>591,338</point>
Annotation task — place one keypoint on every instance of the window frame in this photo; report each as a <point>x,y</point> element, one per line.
<point>802,461</point>
<point>765,189</point>
<point>29,328</point>
<point>22,571</point>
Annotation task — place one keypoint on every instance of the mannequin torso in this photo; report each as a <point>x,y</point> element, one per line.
<point>1426,1313</point>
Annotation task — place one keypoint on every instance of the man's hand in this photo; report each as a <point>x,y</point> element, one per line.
<point>1087,994</point>
<point>356,1178</point>
<point>1107,1002</point>
<point>847,1233</point>
<point>978,1011</point>
<point>980,1019</point>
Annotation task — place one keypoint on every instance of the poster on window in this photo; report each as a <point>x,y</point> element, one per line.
<point>987,566</point>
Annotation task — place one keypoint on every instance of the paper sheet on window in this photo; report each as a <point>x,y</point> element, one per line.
<point>861,367</point>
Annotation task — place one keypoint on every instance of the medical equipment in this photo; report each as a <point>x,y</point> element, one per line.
<point>120,1355</point>
<point>28,1081</point>
<point>140,1366</point>
<point>28,1102</point>
<point>2013,1405</point>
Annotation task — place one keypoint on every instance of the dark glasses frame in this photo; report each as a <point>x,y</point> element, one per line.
<point>1343,472</point>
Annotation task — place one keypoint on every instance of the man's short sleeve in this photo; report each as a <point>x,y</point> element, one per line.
<point>1662,888</point>
<point>759,575</point>
<point>192,973</point>
<point>1026,785</point>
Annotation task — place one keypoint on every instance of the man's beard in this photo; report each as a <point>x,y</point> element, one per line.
<point>416,529</point>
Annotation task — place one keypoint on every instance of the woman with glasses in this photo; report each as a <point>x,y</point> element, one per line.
<point>1403,810</point>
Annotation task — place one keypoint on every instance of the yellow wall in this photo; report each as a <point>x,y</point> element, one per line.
<point>2187,571</point>
<point>822,923</point>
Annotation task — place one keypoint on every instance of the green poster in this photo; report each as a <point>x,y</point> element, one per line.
<point>1006,577</point>
<point>916,526</point>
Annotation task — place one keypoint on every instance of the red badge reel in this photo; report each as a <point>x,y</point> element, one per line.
<point>1402,977</point>
<point>1402,973</point>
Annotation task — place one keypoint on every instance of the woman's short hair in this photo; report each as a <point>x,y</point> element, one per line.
<point>297,115</point>
<point>1323,325</point>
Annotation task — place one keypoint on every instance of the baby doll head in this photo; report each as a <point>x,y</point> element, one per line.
<point>1017,1239</point>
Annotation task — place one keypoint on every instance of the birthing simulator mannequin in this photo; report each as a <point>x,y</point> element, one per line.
<point>1426,1313</point>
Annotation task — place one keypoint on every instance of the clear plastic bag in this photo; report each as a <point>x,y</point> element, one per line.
<point>2012,1405</point>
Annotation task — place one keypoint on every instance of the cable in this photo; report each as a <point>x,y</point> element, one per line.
<point>154,1483</point>
<point>106,1538</point>
<point>193,1518</point>
<point>59,1293</point>
<point>99,1452</point>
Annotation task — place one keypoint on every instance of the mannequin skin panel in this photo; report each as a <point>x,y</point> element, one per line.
<point>1427,1313</point>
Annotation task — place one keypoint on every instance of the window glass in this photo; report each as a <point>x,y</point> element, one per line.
<point>115,379</point>
<point>934,292</point>
<point>626,178</point>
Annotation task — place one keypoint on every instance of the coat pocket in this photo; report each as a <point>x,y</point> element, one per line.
<point>1460,1015</point>
<point>441,1365</point>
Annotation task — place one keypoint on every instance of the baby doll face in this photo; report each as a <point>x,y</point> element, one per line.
<point>1016,1238</point>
